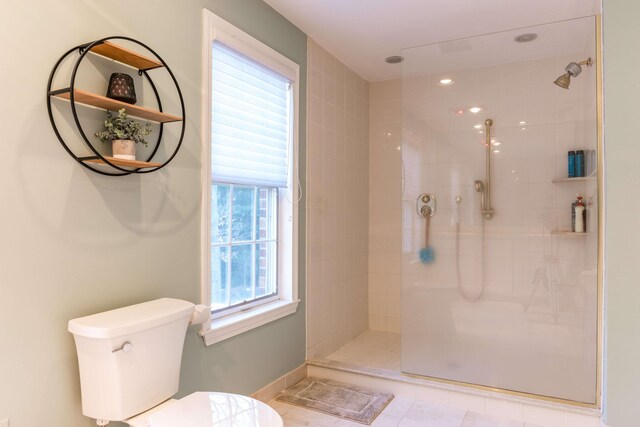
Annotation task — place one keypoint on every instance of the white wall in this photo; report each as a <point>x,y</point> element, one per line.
<point>338,198</point>
<point>75,242</point>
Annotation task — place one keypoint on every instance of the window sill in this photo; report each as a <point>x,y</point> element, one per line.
<point>243,321</point>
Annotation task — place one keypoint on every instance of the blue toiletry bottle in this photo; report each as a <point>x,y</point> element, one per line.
<point>579,163</point>
<point>571,161</point>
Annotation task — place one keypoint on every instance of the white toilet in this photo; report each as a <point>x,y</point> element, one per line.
<point>129,362</point>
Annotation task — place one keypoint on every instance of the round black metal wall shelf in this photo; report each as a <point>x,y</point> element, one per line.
<point>104,47</point>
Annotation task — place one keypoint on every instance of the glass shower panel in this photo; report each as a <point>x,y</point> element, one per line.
<point>511,301</point>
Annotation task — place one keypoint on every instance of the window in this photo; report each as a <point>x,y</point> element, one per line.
<point>249,181</point>
<point>244,246</point>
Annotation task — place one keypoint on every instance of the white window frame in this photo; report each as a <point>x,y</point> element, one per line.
<point>220,328</point>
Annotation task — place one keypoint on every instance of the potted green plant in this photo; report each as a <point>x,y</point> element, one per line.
<point>123,133</point>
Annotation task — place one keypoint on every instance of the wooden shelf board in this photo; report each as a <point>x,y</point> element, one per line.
<point>124,162</point>
<point>88,98</point>
<point>125,56</point>
<point>576,179</point>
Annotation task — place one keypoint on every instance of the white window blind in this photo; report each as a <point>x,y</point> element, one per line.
<point>250,121</point>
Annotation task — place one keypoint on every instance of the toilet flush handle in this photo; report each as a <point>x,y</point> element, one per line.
<point>125,348</point>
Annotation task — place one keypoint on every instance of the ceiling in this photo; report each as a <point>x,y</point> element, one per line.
<point>573,39</point>
<point>361,33</point>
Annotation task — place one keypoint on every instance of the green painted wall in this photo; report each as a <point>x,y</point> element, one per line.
<point>75,242</point>
<point>621,34</point>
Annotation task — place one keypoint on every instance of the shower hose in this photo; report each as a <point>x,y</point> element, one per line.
<point>462,291</point>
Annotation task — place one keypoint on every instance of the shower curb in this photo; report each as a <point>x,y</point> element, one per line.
<point>390,375</point>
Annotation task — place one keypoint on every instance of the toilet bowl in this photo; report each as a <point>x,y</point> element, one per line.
<point>208,409</point>
<point>129,361</point>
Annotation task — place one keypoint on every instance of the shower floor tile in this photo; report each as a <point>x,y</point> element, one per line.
<point>372,349</point>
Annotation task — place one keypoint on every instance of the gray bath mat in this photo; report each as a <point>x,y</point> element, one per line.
<point>341,400</point>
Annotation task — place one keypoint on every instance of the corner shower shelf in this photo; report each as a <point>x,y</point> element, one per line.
<point>91,99</point>
<point>95,161</point>
<point>567,233</point>
<point>576,179</point>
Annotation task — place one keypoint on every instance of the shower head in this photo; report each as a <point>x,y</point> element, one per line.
<point>563,81</point>
<point>572,69</point>
<point>479,186</point>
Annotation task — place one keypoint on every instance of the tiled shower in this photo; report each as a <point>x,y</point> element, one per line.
<point>509,302</point>
<point>520,286</point>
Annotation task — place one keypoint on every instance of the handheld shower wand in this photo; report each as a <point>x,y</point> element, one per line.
<point>479,186</point>
<point>485,190</point>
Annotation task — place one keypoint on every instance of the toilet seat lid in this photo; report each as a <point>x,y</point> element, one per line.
<point>205,409</point>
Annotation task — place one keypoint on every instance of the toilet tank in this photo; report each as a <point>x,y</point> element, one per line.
<point>129,358</point>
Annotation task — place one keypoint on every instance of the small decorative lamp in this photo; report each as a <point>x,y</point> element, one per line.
<point>121,88</point>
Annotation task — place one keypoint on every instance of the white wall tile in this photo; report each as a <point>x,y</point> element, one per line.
<point>384,217</point>
<point>337,141</point>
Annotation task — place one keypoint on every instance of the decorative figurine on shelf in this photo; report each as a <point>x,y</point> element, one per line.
<point>121,88</point>
<point>124,133</point>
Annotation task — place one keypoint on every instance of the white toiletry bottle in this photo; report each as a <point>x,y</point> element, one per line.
<point>579,216</point>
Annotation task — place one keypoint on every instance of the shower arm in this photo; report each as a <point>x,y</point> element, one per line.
<point>588,62</point>
<point>487,210</point>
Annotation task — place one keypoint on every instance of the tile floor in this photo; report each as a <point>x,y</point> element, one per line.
<point>401,412</point>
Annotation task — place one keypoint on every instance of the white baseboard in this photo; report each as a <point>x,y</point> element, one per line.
<point>271,390</point>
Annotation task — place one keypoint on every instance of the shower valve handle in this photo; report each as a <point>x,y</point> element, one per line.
<point>426,205</point>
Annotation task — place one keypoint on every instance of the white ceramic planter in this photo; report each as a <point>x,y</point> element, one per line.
<point>124,149</point>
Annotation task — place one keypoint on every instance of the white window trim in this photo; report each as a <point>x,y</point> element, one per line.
<point>219,329</point>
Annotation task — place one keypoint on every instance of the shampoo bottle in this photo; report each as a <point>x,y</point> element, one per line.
<point>571,164</point>
<point>579,164</point>
<point>579,216</point>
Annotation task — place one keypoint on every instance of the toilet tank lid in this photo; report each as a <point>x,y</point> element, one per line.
<point>131,319</point>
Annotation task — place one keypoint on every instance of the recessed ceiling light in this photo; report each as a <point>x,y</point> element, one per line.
<point>477,126</point>
<point>525,38</point>
<point>394,59</point>
<point>524,128</point>
<point>460,111</point>
<point>446,82</point>
<point>475,110</point>
<point>523,122</point>
<point>496,151</point>
<point>496,143</point>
